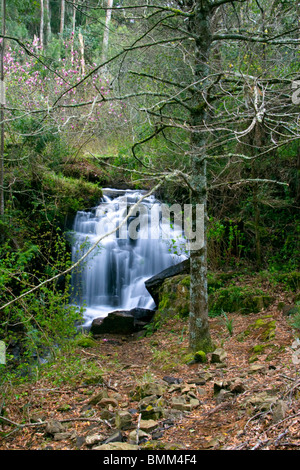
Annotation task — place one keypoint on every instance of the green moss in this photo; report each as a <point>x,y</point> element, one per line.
<point>267,326</point>
<point>71,194</point>
<point>164,302</point>
<point>259,348</point>
<point>238,299</point>
<point>263,329</point>
<point>188,358</point>
<point>85,342</point>
<point>290,280</point>
<point>174,297</point>
<point>200,356</point>
<point>186,281</point>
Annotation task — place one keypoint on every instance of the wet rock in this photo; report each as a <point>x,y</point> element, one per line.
<point>122,322</point>
<point>118,322</point>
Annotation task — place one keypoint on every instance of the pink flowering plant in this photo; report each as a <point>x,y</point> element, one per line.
<point>56,97</point>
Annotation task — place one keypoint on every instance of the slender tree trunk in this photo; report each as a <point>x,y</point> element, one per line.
<point>73,31</point>
<point>42,25</point>
<point>199,328</point>
<point>2,104</point>
<point>81,41</point>
<point>106,30</point>
<point>48,21</point>
<point>62,18</point>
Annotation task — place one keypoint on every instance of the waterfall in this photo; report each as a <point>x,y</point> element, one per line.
<point>112,277</point>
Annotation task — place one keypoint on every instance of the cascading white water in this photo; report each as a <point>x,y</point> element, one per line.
<point>112,277</point>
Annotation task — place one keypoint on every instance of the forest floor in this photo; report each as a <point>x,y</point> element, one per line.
<point>263,413</point>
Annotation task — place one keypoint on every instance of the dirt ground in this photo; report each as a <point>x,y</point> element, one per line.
<point>231,423</point>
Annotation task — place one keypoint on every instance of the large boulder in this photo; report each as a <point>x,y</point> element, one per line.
<point>153,284</point>
<point>122,322</point>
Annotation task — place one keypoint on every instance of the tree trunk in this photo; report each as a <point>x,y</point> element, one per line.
<point>48,21</point>
<point>199,328</point>
<point>81,41</point>
<point>42,25</point>
<point>62,18</point>
<point>106,30</point>
<point>73,31</point>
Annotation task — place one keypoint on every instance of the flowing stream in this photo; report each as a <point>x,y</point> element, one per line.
<point>112,277</point>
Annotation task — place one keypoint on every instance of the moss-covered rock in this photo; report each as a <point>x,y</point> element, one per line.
<point>174,297</point>
<point>200,356</point>
<point>238,299</point>
<point>263,329</point>
<point>71,194</point>
<point>85,341</point>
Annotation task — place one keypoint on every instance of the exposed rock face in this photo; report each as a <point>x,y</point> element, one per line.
<point>153,284</point>
<point>122,322</point>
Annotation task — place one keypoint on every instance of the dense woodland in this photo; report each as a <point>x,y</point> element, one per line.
<point>197,98</point>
